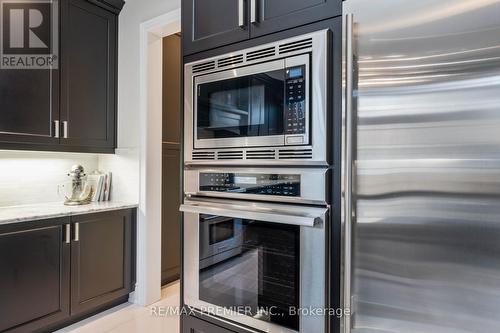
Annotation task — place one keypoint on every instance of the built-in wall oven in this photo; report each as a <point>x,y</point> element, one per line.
<point>263,103</point>
<point>259,264</point>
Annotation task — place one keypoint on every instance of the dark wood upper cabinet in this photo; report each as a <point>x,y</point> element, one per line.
<point>101,259</point>
<point>35,277</point>
<point>276,15</point>
<point>73,107</point>
<point>28,106</point>
<point>207,24</point>
<point>172,66</point>
<point>88,68</point>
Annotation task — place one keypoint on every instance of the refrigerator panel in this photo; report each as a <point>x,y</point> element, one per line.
<point>425,236</point>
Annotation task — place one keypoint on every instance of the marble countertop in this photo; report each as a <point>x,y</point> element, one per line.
<point>16,214</point>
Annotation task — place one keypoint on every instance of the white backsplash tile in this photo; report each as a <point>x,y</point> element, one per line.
<point>124,166</point>
<point>32,177</point>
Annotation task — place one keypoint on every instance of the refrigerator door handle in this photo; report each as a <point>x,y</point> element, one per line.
<point>348,167</point>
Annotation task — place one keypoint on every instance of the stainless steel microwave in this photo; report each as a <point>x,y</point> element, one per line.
<point>263,103</point>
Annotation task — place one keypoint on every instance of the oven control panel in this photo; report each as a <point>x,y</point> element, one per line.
<point>249,183</point>
<point>295,103</point>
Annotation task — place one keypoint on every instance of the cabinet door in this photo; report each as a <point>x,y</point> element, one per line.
<point>34,277</point>
<point>29,107</point>
<point>170,233</point>
<point>88,92</point>
<point>101,259</point>
<point>207,24</point>
<point>276,15</point>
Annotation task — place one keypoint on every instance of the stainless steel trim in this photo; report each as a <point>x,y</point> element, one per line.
<point>56,129</point>
<point>65,129</point>
<point>318,102</point>
<point>77,232</point>
<point>312,273</point>
<point>241,13</point>
<point>253,11</point>
<point>273,162</point>
<point>302,216</point>
<point>67,236</point>
<point>348,169</point>
<point>312,191</point>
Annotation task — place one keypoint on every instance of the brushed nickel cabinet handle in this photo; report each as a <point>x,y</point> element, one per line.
<point>253,11</point>
<point>67,238</point>
<point>65,129</point>
<point>241,13</point>
<point>56,129</point>
<point>77,232</point>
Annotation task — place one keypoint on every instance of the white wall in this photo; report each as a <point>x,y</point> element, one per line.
<point>134,13</point>
<point>32,177</point>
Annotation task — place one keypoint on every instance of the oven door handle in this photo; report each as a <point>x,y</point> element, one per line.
<point>306,217</point>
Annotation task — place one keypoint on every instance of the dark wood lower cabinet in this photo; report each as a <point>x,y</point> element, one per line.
<point>170,233</point>
<point>34,277</point>
<point>101,259</point>
<point>55,272</point>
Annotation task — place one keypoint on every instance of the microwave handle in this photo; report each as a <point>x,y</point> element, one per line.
<point>269,215</point>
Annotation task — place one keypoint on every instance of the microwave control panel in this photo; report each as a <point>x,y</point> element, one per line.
<point>248,183</point>
<point>295,103</point>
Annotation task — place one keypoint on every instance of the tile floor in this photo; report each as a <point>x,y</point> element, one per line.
<point>131,318</point>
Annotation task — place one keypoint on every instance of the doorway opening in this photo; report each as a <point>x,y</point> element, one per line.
<point>149,235</point>
<point>171,158</point>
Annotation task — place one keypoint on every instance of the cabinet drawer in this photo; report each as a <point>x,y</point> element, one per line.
<point>195,325</point>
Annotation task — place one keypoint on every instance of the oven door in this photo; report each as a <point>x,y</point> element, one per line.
<point>277,268</point>
<point>251,107</point>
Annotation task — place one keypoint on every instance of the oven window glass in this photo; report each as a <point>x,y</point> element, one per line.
<point>257,274</point>
<point>241,107</point>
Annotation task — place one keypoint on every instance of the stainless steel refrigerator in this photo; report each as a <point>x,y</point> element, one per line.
<point>421,166</point>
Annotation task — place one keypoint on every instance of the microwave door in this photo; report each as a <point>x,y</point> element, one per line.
<point>240,107</point>
<point>266,108</point>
